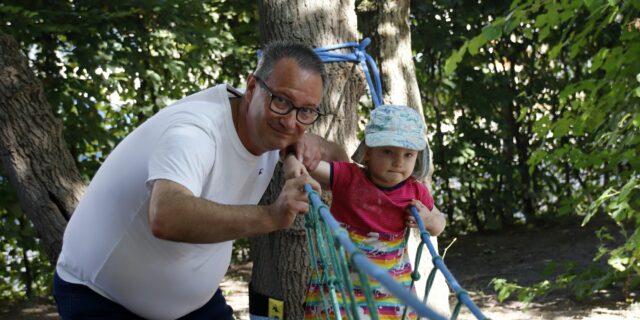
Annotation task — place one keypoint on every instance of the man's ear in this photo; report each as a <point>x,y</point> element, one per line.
<point>251,86</point>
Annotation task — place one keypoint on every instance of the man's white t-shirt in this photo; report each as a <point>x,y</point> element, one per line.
<point>108,245</point>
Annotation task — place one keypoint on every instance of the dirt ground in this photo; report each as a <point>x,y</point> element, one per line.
<point>522,257</point>
<point>474,260</point>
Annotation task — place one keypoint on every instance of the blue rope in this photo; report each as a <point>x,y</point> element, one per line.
<point>361,262</point>
<point>437,261</point>
<point>360,55</point>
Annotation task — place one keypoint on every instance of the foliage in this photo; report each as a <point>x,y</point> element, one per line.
<point>27,271</point>
<point>582,283</point>
<point>526,294</point>
<point>480,173</point>
<point>106,66</point>
<point>574,69</point>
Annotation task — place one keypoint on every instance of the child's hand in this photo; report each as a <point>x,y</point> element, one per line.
<point>292,167</point>
<point>410,221</point>
<point>433,220</point>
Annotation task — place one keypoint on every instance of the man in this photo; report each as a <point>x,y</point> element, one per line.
<point>152,237</point>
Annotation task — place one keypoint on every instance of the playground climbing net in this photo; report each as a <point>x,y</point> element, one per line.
<point>330,245</point>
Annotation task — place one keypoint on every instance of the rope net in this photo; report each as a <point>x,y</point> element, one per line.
<point>335,258</point>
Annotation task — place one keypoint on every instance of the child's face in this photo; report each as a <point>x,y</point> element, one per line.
<point>389,166</point>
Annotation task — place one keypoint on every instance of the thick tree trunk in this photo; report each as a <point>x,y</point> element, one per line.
<point>33,153</point>
<point>387,24</point>
<point>281,263</point>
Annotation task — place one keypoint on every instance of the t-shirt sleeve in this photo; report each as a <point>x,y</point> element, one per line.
<point>184,154</point>
<point>340,174</point>
<point>425,196</point>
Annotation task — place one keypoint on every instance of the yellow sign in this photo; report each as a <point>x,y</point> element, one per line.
<point>276,309</point>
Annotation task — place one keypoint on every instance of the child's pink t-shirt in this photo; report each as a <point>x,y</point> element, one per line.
<point>360,203</point>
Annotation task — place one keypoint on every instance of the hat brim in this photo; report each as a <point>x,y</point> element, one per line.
<point>387,139</point>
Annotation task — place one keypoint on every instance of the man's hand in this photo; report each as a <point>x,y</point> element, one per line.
<point>292,201</point>
<point>311,148</point>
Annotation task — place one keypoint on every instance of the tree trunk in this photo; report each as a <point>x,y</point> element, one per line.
<point>280,260</point>
<point>387,24</point>
<point>33,153</point>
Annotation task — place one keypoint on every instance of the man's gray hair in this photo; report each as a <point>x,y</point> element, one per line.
<point>306,58</point>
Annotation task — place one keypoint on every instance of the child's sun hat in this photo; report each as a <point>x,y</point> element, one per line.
<point>397,126</point>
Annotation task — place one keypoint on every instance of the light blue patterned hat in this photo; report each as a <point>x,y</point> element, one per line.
<point>395,126</point>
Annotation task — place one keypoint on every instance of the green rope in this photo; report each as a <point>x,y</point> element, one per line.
<point>364,281</point>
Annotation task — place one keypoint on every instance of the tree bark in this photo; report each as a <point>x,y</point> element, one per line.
<point>281,265</point>
<point>387,24</point>
<point>33,153</point>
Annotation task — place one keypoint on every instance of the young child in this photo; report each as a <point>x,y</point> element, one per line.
<point>372,203</point>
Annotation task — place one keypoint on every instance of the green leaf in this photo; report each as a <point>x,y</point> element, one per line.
<point>449,83</point>
<point>634,199</point>
<point>528,33</point>
<point>476,43</point>
<point>154,76</point>
<point>561,128</point>
<point>453,60</point>
<point>544,32</point>
<point>536,157</point>
<point>565,209</point>
<point>493,30</point>
<point>591,3</point>
<point>553,53</point>
<point>509,26</point>
<point>599,59</point>
<point>522,114</point>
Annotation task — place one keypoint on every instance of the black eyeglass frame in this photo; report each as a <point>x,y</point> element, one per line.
<point>290,104</point>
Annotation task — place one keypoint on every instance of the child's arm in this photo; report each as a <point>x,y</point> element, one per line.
<point>433,220</point>
<point>293,168</point>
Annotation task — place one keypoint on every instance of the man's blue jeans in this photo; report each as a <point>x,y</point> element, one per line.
<point>76,301</point>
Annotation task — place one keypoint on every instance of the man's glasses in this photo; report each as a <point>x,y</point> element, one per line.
<point>283,106</point>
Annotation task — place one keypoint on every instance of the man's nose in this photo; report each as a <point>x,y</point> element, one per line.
<point>289,120</point>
